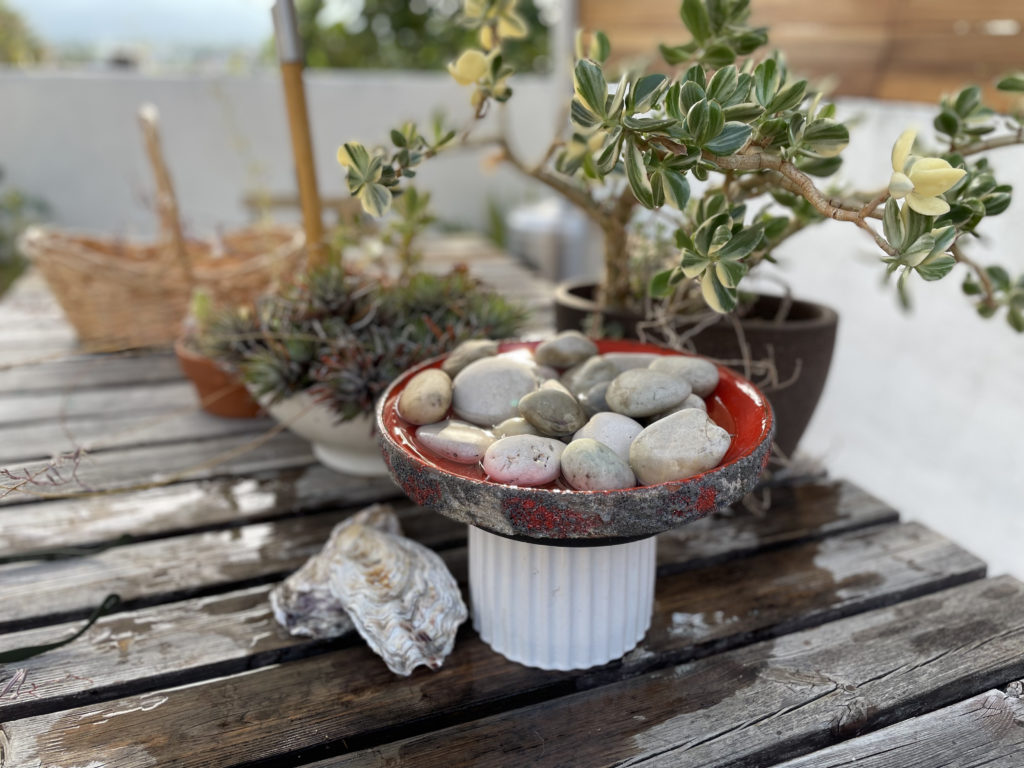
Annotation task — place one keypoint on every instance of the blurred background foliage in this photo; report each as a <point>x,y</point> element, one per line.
<point>405,34</point>
<point>18,45</point>
<point>17,211</point>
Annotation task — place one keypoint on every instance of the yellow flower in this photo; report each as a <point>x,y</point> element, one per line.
<point>511,26</point>
<point>470,67</point>
<point>486,37</point>
<point>921,180</point>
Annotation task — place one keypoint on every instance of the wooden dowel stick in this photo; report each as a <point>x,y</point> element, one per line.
<point>302,149</point>
<point>289,52</point>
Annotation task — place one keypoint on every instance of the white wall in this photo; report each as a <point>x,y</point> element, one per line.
<point>72,139</point>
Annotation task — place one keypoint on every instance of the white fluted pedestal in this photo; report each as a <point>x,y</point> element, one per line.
<point>560,607</point>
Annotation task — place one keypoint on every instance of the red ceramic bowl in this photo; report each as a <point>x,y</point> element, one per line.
<point>561,515</point>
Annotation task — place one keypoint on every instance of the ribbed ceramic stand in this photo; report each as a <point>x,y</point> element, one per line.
<point>560,607</point>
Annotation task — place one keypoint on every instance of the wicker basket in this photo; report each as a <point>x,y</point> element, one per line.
<point>120,295</point>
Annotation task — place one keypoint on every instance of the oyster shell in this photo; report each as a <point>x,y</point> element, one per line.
<point>303,603</point>
<point>399,595</point>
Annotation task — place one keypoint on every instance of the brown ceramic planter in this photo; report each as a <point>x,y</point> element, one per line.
<point>801,346</point>
<point>220,393</point>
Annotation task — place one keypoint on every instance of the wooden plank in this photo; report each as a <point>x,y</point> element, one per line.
<point>757,705</point>
<point>986,730</point>
<point>174,643</point>
<point>88,371</point>
<point>39,592</point>
<point>41,441</point>
<point>797,513</point>
<point>183,508</point>
<point>129,400</point>
<point>864,44</point>
<point>155,465</point>
<point>346,699</point>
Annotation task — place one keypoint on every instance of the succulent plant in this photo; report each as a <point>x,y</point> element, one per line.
<point>345,336</point>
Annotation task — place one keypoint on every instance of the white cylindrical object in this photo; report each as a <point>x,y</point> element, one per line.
<point>560,607</point>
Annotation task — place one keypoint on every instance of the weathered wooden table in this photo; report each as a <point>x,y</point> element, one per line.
<point>824,632</point>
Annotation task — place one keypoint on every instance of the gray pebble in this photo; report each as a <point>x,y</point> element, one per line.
<point>594,400</point>
<point>523,460</point>
<point>545,372</point>
<point>595,370</point>
<point>565,350</point>
<point>455,440</point>
<point>612,429</point>
<point>556,385</point>
<point>678,446</point>
<point>702,374</point>
<point>517,425</point>
<point>588,465</point>
<point>553,412</point>
<point>488,391</point>
<point>625,361</point>
<point>643,392</point>
<point>466,353</point>
<point>426,398</point>
<point>693,401</point>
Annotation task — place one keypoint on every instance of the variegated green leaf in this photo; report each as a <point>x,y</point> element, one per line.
<point>693,264</point>
<point>718,297</point>
<point>722,235</point>
<point>646,91</point>
<point>936,267</point>
<point>730,272</point>
<point>767,79</point>
<point>787,98</point>
<point>695,17</point>
<point>375,199</point>
<point>697,120</point>
<point>677,189</point>
<point>636,173</point>
<point>742,244</point>
<point>723,83</point>
<point>661,286</point>
<point>731,138</point>
<point>590,86</point>
<point>892,224</point>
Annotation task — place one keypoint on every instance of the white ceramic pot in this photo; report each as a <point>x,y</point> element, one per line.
<point>560,607</point>
<point>350,447</point>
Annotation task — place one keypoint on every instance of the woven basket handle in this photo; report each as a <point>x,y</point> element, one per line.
<point>167,202</point>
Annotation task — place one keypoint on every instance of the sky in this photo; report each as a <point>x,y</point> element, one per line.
<point>158,22</point>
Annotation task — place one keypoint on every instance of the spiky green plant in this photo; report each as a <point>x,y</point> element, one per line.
<point>344,336</point>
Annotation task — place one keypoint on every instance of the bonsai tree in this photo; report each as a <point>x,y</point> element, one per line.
<point>732,114</point>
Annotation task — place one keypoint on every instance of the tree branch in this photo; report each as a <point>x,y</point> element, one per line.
<point>1017,137</point>
<point>755,159</point>
<point>983,278</point>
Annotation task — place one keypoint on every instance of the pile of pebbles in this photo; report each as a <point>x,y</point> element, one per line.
<point>601,422</point>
